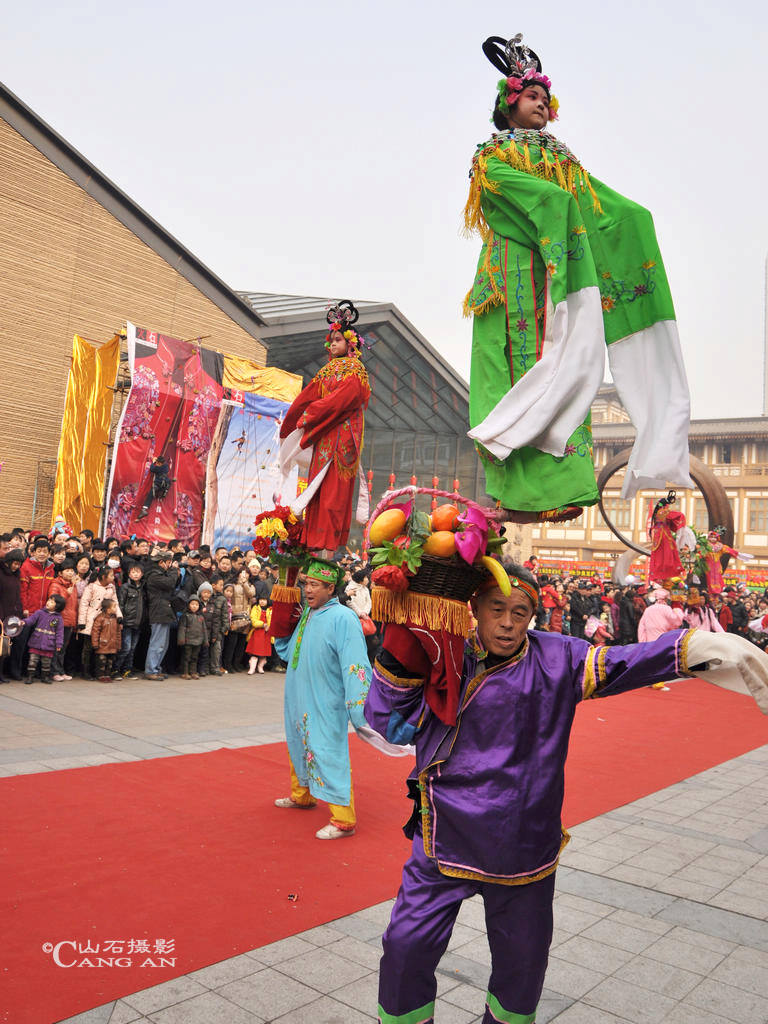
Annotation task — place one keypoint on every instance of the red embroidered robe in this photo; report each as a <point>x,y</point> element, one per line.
<point>665,558</point>
<point>330,413</point>
<point>714,574</point>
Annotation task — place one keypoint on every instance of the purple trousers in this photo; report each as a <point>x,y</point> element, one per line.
<point>518,920</point>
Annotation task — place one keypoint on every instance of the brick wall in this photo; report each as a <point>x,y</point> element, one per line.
<point>67,266</point>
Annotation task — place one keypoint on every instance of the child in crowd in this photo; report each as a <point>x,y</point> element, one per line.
<point>219,624</point>
<point>46,637</point>
<point>259,642</point>
<point>131,599</point>
<point>192,636</point>
<point>106,638</point>
<point>205,593</point>
<point>103,587</point>
<point>65,585</point>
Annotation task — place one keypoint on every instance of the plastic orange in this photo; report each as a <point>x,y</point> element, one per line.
<point>387,526</point>
<point>445,517</point>
<point>441,543</point>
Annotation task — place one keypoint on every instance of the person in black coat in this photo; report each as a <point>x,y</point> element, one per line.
<point>160,585</point>
<point>132,601</point>
<point>740,615</point>
<point>628,618</point>
<point>581,609</point>
<point>10,591</point>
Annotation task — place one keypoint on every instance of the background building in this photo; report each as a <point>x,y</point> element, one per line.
<point>78,256</point>
<point>736,450</point>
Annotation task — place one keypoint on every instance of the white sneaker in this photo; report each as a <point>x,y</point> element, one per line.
<point>65,677</point>
<point>286,802</point>
<point>60,679</point>
<point>330,831</point>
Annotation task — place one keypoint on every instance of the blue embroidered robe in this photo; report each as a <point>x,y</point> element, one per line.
<point>323,693</point>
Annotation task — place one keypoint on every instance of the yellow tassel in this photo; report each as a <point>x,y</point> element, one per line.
<point>571,187</point>
<point>289,595</point>
<point>427,610</point>
<point>596,205</point>
<point>547,165</point>
<point>559,174</point>
<point>527,158</point>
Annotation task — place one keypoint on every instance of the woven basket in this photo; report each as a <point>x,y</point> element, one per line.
<point>452,578</point>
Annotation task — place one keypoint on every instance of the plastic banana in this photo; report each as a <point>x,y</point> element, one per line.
<point>496,569</point>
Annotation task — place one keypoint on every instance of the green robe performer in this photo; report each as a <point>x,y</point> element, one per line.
<point>567,267</point>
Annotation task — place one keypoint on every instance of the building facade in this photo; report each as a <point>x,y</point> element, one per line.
<point>77,256</point>
<point>736,450</point>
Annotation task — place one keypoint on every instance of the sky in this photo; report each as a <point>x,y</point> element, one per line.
<point>323,148</point>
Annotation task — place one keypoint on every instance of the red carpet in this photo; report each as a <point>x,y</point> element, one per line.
<point>190,848</point>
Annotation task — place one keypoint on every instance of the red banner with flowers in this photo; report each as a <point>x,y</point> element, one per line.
<point>755,579</point>
<point>163,438</point>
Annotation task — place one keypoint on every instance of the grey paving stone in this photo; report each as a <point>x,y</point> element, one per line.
<point>744,973</point>
<point>580,1013</point>
<point>677,886</point>
<point>477,949</point>
<point>648,924</point>
<point>759,840</point>
<point>589,953</point>
<point>731,1003</point>
<point>462,934</point>
<point>462,969</point>
<point>592,907</point>
<point>227,970</point>
<point>362,995</point>
<point>572,920</point>
<point>285,949</point>
<point>620,895</point>
<point>692,938</point>
<point>550,1005</point>
<point>472,914</point>
<point>666,979</point>
<point>671,951</point>
<point>569,979</point>
<point>737,928</point>
<point>468,997</point>
<point>322,970</point>
<point>123,1013</point>
<point>268,994</point>
<point>159,996</point>
<point>684,1013</point>
<point>636,876</point>
<point>359,952</point>
<point>629,1001</point>
<point>323,935</point>
<point>326,1010</point>
<point>449,1013</point>
<point>209,1008</point>
<point>98,1015</point>
<point>357,928</point>
<point>621,936</point>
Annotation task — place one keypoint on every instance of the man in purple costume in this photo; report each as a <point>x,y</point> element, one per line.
<point>488,791</point>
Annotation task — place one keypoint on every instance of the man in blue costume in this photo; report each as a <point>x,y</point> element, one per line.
<point>325,688</point>
<point>488,782</point>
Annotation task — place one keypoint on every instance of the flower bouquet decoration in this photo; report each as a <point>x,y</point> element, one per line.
<point>277,537</point>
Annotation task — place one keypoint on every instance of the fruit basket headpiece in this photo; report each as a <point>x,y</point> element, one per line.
<point>426,575</point>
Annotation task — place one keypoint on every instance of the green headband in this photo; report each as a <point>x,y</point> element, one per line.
<point>319,569</point>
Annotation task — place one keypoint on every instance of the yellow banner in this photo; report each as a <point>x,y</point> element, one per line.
<point>85,433</point>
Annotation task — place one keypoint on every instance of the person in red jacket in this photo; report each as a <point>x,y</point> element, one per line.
<point>35,579</point>
<point>65,584</point>
<point>37,574</point>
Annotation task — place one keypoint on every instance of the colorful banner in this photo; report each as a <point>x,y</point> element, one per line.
<point>163,438</point>
<point>85,433</point>
<point>243,472</point>
<point>755,579</point>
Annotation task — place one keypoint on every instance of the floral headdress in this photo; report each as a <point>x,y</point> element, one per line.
<point>520,67</point>
<point>341,317</point>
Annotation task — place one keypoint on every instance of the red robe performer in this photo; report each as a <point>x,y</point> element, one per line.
<point>326,422</point>
<point>665,558</point>
<point>714,573</point>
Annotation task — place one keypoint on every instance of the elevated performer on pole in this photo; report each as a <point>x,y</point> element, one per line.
<point>324,429</point>
<point>489,779</point>
<point>567,266</point>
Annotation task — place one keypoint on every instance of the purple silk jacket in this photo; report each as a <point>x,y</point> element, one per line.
<point>489,790</point>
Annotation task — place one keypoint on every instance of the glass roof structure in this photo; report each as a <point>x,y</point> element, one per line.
<point>418,416</point>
